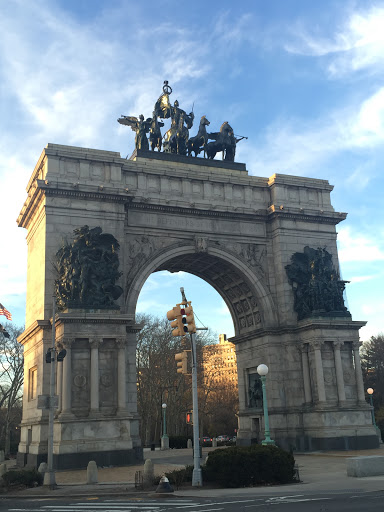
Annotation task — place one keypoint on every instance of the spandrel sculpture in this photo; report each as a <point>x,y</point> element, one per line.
<point>317,287</point>
<point>176,139</point>
<point>87,271</point>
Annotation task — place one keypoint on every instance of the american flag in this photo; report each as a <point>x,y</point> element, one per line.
<point>4,311</point>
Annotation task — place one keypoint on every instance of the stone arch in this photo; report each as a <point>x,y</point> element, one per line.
<point>247,297</point>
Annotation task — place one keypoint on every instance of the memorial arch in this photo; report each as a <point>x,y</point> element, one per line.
<point>250,237</point>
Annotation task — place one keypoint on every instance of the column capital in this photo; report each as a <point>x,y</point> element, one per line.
<point>356,345</point>
<point>337,344</point>
<point>121,341</point>
<point>316,344</point>
<point>94,342</point>
<point>59,344</point>
<point>67,342</point>
<point>303,347</point>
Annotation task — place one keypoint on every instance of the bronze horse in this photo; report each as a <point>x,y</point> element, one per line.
<point>225,141</point>
<point>155,137</point>
<point>197,143</point>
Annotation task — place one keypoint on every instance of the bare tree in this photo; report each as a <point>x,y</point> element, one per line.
<point>158,381</point>
<point>11,379</point>
<point>372,362</point>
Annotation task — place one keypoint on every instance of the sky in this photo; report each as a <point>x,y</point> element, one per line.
<point>302,80</point>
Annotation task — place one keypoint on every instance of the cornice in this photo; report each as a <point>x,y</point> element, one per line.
<point>84,194</point>
<point>180,210</point>
<point>320,217</point>
<point>33,329</point>
<point>335,323</point>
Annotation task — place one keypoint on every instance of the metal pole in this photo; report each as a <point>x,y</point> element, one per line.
<point>372,411</point>
<point>267,439</point>
<point>165,424</point>
<point>197,480</point>
<point>49,477</point>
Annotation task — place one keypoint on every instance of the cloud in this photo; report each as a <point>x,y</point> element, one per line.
<point>359,247</point>
<point>301,146</point>
<point>357,44</point>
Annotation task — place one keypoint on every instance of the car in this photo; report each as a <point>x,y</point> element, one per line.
<point>206,439</point>
<point>223,438</point>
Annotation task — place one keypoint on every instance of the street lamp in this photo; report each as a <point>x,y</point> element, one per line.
<point>262,370</point>
<point>164,438</point>
<point>370,393</point>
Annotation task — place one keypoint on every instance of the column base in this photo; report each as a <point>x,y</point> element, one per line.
<point>165,443</point>
<point>66,415</point>
<point>268,442</point>
<point>95,413</point>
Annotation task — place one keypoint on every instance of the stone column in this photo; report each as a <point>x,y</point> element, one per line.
<point>316,346</point>
<point>59,381</point>
<point>94,344</point>
<point>66,402</point>
<point>358,373</point>
<point>339,371</point>
<point>121,375</point>
<point>306,376</point>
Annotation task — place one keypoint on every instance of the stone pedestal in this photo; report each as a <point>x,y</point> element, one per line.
<point>95,421</point>
<point>313,388</point>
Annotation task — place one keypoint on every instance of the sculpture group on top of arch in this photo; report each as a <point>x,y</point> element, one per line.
<point>176,140</point>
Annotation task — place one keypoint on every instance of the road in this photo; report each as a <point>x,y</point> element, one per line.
<point>332,502</point>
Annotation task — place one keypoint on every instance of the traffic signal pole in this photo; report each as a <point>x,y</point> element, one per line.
<point>49,476</point>
<point>197,480</point>
<point>182,321</point>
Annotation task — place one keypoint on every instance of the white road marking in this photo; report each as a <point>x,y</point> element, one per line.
<point>219,503</point>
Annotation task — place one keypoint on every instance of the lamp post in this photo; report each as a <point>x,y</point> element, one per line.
<point>262,370</point>
<point>164,438</point>
<point>370,393</point>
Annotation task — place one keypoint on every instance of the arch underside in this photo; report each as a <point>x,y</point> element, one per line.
<point>235,289</point>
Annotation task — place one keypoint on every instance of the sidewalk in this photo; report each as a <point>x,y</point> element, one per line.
<point>318,472</point>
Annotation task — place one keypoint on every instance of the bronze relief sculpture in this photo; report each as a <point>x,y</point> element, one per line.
<point>87,271</point>
<point>318,289</point>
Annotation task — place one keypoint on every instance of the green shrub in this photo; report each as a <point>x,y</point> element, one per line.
<point>240,466</point>
<point>27,477</point>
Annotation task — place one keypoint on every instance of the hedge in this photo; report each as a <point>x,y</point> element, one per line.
<point>240,466</point>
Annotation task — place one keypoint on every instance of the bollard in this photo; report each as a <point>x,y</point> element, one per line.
<point>189,443</point>
<point>43,468</point>
<point>149,472</point>
<point>3,469</point>
<point>92,472</point>
<point>214,442</point>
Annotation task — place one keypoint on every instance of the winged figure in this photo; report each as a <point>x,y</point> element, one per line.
<point>140,126</point>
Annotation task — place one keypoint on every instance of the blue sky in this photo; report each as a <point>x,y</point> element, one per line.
<point>303,80</point>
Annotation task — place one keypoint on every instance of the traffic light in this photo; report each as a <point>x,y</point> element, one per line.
<point>48,356</point>
<point>182,362</point>
<point>61,355</point>
<point>189,319</point>
<point>174,315</point>
<point>189,417</point>
<point>182,319</point>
